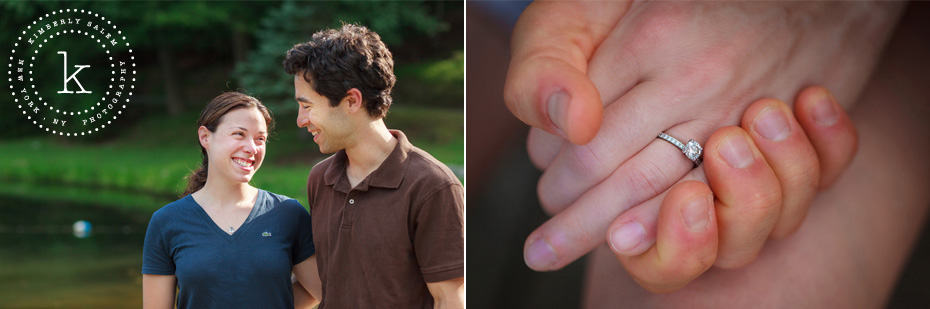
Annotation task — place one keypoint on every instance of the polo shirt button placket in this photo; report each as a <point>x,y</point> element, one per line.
<point>350,211</point>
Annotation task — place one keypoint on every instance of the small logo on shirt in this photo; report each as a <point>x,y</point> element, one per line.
<point>266,234</point>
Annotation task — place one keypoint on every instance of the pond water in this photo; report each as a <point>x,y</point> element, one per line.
<point>43,264</point>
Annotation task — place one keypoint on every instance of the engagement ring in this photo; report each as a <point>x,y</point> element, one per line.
<point>692,150</point>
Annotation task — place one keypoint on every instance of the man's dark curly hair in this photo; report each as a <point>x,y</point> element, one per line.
<point>334,61</point>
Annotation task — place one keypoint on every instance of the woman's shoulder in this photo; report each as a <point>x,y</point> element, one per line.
<point>176,208</point>
<point>284,201</point>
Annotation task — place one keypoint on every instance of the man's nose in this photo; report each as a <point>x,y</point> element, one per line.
<point>302,119</point>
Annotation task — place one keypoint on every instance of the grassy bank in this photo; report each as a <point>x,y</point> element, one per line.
<point>145,167</point>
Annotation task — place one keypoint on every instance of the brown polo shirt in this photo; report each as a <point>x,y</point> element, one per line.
<point>378,244</point>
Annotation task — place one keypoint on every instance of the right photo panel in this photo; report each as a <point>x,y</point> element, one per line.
<point>697,154</point>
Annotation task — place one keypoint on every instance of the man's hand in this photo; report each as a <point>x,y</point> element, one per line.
<point>682,68</point>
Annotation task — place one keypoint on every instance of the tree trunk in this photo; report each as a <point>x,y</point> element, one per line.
<point>240,46</point>
<point>172,96</point>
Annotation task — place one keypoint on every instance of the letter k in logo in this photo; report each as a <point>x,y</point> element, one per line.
<point>73,75</point>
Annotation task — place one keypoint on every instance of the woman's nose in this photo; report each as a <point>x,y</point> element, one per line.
<point>251,147</point>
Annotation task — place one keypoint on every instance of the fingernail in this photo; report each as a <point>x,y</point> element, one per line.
<point>695,213</point>
<point>558,108</point>
<point>735,151</point>
<point>771,124</point>
<point>627,236</point>
<point>540,255</point>
<point>824,110</point>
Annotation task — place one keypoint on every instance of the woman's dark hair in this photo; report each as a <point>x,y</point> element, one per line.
<point>334,61</point>
<point>211,117</point>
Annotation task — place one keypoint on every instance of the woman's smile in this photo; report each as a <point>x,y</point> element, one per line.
<point>245,164</point>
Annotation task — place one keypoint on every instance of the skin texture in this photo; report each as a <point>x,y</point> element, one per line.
<point>448,294</point>
<point>743,202</point>
<point>308,291</point>
<point>329,125</point>
<point>857,234</point>
<point>241,134</point>
<point>158,291</point>
<point>698,65</point>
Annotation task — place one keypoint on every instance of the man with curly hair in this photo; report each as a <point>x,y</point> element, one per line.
<point>388,219</point>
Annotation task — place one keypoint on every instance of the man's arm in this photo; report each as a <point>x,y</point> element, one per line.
<point>448,294</point>
<point>308,290</point>
<point>439,244</point>
<point>302,298</point>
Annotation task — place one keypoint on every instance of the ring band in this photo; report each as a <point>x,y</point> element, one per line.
<point>692,150</point>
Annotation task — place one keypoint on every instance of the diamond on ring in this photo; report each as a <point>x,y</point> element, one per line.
<point>692,150</point>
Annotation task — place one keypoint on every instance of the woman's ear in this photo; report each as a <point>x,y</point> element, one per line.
<point>203,135</point>
<point>353,100</point>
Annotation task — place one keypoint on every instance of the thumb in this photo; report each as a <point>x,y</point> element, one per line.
<point>547,84</point>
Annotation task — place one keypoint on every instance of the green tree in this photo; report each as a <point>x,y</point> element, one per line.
<point>291,23</point>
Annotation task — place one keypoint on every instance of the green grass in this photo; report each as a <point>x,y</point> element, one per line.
<point>145,167</point>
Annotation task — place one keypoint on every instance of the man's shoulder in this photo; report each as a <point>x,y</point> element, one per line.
<point>423,167</point>
<point>319,170</point>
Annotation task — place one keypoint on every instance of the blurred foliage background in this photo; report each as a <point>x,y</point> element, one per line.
<point>187,53</point>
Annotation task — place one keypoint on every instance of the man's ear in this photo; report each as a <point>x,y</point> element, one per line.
<point>353,100</point>
<point>203,135</point>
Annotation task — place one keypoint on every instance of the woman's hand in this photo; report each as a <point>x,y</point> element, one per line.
<point>682,68</point>
<point>752,178</point>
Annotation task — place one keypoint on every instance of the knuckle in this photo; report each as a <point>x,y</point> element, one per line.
<point>765,202</point>
<point>582,231</point>
<point>549,206</point>
<point>586,161</point>
<point>707,73</point>
<point>804,178</point>
<point>568,177</point>
<point>647,178</point>
<point>662,24</point>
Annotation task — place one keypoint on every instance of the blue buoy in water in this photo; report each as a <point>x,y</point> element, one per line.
<point>81,229</point>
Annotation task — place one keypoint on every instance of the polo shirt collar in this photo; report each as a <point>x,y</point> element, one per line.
<point>388,175</point>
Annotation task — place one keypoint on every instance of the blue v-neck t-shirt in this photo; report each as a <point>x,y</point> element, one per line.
<point>249,269</point>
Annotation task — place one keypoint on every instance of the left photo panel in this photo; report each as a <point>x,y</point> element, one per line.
<point>220,154</point>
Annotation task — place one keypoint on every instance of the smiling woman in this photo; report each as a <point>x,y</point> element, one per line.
<point>225,243</point>
<point>211,117</point>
